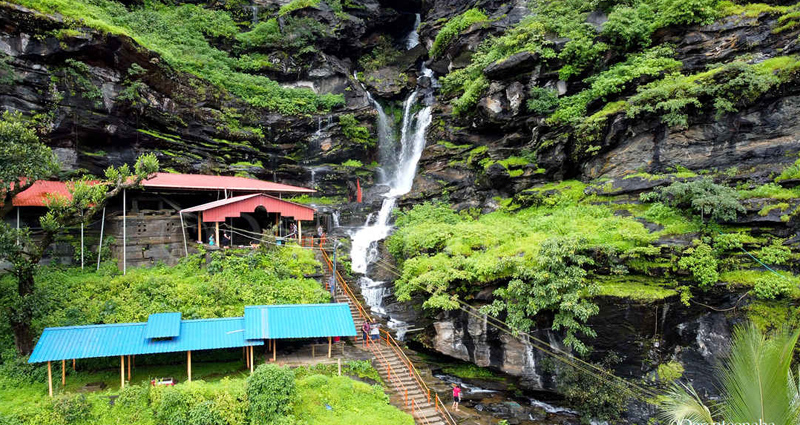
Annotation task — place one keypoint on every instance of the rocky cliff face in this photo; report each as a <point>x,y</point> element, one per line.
<point>78,83</point>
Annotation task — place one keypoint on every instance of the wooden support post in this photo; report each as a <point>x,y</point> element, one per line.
<point>183,233</point>
<point>189,366</point>
<point>129,368</point>
<point>300,232</point>
<point>252,359</point>
<point>216,233</point>
<point>63,373</point>
<point>339,363</point>
<point>274,349</point>
<point>50,378</point>
<point>121,372</point>
<point>100,247</point>
<point>199,227</point>
<point>330,346</point>
<point>73,365</point>
<point>124,232</point>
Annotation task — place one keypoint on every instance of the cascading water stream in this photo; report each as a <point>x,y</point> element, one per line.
<point>398,168</point>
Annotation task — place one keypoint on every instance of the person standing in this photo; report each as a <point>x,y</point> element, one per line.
<point>320,232</point>
<point>456,396</point>
<point>365,331</point>
<point>211,241</point>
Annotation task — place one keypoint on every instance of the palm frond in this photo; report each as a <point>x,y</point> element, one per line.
<point>756,377</point>
<point>681,404</point>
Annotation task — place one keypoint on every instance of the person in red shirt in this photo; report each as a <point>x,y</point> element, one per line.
<point>456,396</point>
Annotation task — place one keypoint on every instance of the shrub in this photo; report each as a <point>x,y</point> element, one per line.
<point>271,391</point>
<point>629,27</point>
<point>542,100</point>
<point>776,254</point>
<point>72,408</point>
<point>771,287</point>
<point>677,12</point>
<point>555,281</point>
<point>453,28</point>
<point>297,5</point>
<point>702,262</point>
<point>572,109</point>
<point>703,196</point>
<point>670,371</point>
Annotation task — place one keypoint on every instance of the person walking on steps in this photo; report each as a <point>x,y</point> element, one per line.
<point>456,396</point>
<point>365,330</point>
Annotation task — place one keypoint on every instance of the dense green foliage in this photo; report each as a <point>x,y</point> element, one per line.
<point>452,256</point>
<point>354,132</point>
<point>180,34</point>
<point>629,27</point>
<point>453,28</point>
<point>270,390</point>
<point>221,288</point>
<point>554,281</point>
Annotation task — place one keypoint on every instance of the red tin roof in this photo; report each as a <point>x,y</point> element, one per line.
<point>218,211</point>
<point>206,182</point>
<point>40,193</point>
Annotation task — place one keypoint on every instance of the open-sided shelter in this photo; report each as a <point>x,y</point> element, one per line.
<point>168,333</point>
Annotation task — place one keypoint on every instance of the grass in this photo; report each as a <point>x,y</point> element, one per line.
<point>316,200</point>
<point>770,190</point>
<point>635,288</point>
<point>470,371</point>
<point>335,400</point>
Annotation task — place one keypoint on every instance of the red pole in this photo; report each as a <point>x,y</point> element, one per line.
<point>358,191</point>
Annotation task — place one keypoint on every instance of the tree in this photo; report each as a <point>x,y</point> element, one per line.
<point>703,196</point>
<point>555,281</point>
<point>756,382</point>
<point>25,159</point>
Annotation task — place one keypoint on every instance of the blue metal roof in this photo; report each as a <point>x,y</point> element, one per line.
<point>163,325</point>
<point>81,342</point>
<point>298,321</point>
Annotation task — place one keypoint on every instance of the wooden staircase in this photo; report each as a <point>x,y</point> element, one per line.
<point>409,391</point>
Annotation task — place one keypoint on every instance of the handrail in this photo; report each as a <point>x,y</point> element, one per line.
<point>391,342</point>
<point>393,378</point>
<point>346,288</point>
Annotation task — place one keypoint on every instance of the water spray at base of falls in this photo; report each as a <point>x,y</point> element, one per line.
<point>397,171</point>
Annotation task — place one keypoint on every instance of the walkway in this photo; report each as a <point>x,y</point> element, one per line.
<point>409,391</point>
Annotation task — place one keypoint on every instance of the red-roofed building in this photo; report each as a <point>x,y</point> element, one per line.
<point>155,232</point>
<point>40,193</point>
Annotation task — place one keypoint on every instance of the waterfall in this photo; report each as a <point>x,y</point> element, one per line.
<point>254,19</point>
<point>412,39</point>
<point>398,168</point>
<point>335,216</point>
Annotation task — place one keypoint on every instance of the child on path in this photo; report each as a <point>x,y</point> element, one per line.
<point>456,396</point>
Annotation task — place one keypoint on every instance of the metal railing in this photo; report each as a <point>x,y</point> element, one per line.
<point>345,288</point>
<point>414,374</point>
<point>437,402</point>
<point>393,378</point>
